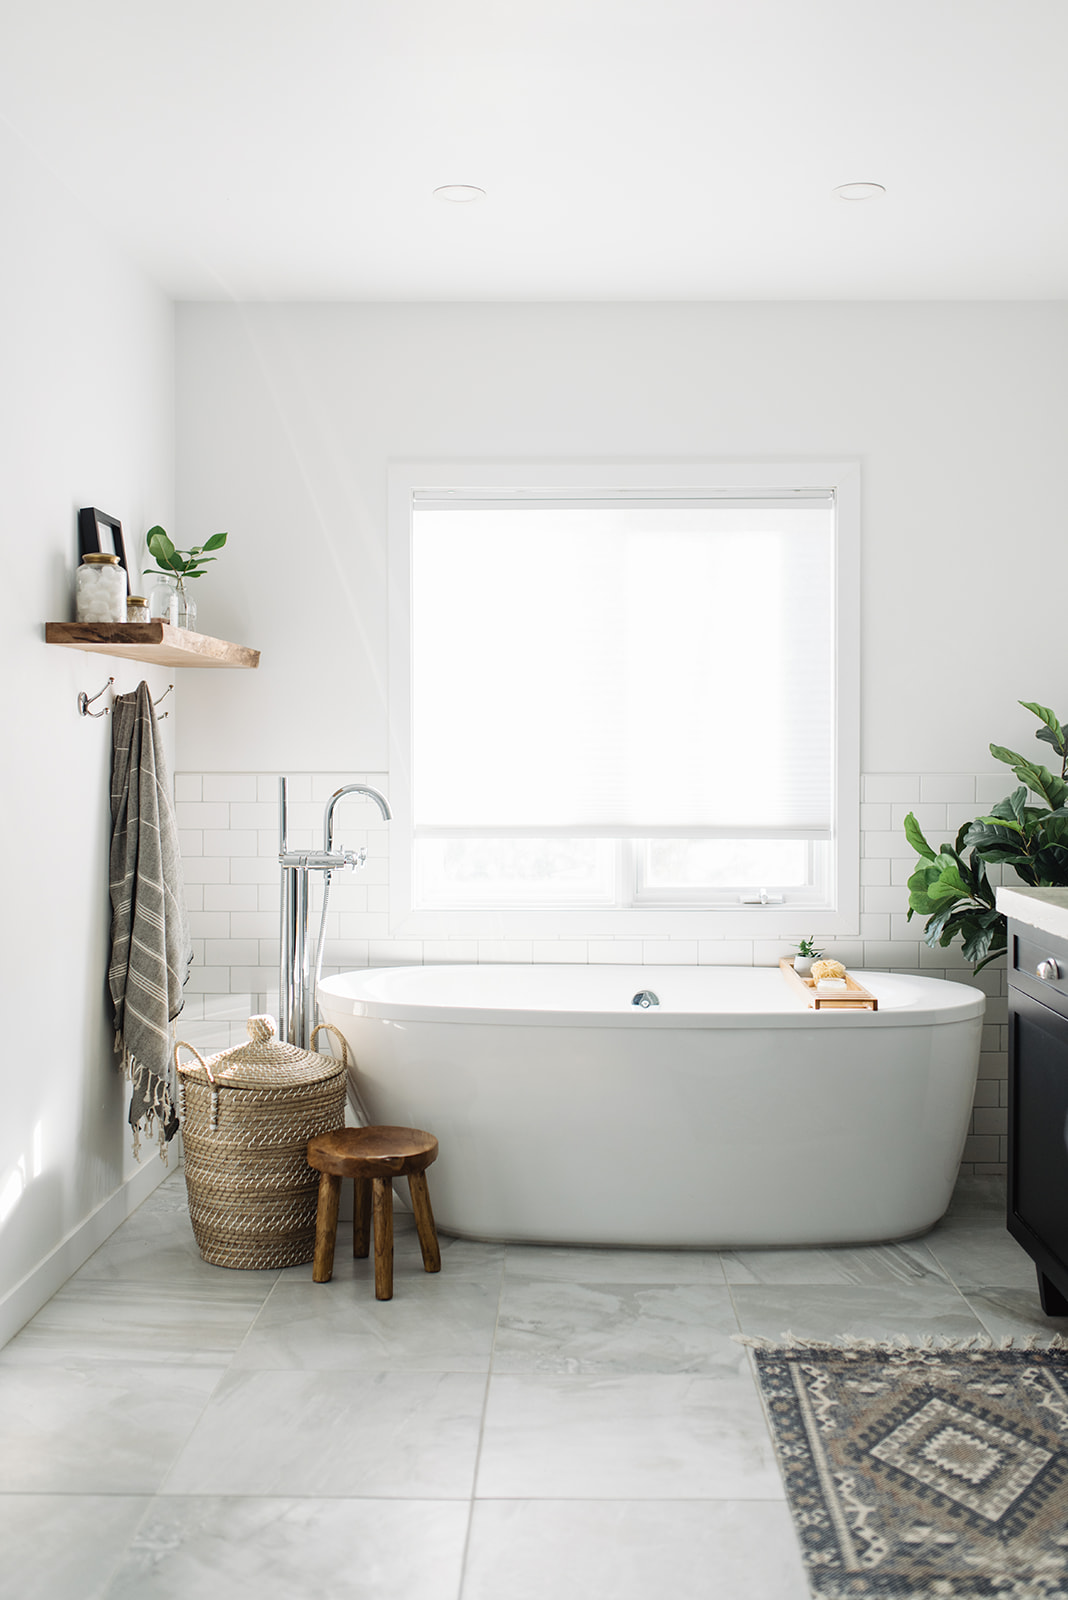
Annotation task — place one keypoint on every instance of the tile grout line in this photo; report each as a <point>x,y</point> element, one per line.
<point>481,1433</point>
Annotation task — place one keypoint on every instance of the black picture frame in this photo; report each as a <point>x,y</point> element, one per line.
<point>97,532</point>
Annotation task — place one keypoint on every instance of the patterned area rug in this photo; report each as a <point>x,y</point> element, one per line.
<point>923,1473</point>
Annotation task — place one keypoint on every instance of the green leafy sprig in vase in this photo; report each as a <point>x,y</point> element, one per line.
<point>181,565</point>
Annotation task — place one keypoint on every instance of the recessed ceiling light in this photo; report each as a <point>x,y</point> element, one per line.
<point>459,194</point>
<point>859,191</point>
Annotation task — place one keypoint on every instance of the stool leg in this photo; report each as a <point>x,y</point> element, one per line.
<point>424,1221</point>
<point>383,1210</point>
<point>361,1216</point>
<point>326,1227</point>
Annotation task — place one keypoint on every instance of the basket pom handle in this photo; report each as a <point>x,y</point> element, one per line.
<point>181,1045</point>
<point>337,1035</point>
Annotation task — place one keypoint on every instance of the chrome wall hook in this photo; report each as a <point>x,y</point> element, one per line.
<point>86,700</point>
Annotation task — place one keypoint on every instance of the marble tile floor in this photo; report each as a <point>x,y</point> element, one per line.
<point>531,1422</point>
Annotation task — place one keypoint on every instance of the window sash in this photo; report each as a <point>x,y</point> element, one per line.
<point>618,875</point>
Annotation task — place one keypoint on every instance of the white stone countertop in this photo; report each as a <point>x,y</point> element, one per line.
<point>1046,909</point>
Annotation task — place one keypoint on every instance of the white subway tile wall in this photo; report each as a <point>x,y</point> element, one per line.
<point>229,833</point>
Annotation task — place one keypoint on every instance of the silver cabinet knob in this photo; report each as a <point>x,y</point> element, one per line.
<point>1047,970</point>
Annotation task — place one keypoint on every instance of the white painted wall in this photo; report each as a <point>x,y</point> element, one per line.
<point>288,417</point>
<point>86,418</point>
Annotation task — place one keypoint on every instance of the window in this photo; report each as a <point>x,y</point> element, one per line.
<point>618,700</point>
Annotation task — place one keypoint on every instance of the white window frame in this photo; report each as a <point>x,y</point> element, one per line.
<point>634,922</point>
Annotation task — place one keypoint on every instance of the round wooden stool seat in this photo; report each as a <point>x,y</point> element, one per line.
<point>372,1158</point>
<point>373,1152</point>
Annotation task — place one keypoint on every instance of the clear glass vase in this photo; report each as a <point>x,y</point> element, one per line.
<point>163,600</point>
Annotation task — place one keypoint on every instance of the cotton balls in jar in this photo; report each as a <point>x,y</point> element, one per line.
<point>100,590</point>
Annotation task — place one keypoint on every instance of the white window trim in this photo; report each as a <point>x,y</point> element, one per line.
<point>750,922</point>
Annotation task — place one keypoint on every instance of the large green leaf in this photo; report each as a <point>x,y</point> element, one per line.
<point>999,855</point>
<point>1055,828</point>
<point>942,927</point>
<point>919,899</point>
<point>952,879</point>
<point>939,892</point>
<point>1050,864</point>
<point>947,883</point>
<point>995,827</point>
<point>983,933</point>
<point>1038,779</point>
<point>1052,733</point>
<point>941,930</point>
<point>159,544</point>
<point>1009,809</point>
<point>914,835</point>
<point>216,541</point>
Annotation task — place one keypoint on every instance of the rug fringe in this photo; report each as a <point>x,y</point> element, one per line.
<point>790,1342</point>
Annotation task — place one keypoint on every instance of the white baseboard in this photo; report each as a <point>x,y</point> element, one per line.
<point>27,1297</point>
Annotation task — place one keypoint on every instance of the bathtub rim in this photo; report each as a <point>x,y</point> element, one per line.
<point>964,1004</point>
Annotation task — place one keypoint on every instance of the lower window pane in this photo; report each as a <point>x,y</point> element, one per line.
<point>727,863</point>
<point>473,872</point>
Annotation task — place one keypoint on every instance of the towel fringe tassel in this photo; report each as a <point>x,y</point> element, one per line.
<point>157,1112</point>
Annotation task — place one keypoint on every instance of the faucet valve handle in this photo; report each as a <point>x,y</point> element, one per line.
<point>355,858</point>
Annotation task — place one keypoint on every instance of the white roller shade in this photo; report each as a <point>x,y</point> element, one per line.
<point>630,667</point>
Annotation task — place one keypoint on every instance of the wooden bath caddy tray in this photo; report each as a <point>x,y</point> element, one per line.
<point>855,998</point>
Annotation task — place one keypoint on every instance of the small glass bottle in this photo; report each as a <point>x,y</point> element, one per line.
<point>187,608</point>
<point>163,600</point>
<point>100,589</point>
<point>136,608</point>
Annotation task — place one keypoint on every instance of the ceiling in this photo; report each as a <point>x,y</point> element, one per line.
<point>629,149</point>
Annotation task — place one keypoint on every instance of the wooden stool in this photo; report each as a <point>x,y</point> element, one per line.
<point>372,1157</point>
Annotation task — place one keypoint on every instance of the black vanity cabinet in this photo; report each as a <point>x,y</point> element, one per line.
<point>1038,1107</point>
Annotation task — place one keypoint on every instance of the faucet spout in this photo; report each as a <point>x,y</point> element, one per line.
<point>350,788</point>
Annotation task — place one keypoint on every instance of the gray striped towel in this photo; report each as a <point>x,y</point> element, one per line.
<point>150,948</point>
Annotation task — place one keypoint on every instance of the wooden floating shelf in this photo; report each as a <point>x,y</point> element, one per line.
<point>156,642</point>
<point>855,997</point>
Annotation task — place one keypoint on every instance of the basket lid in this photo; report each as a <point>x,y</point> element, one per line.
<point>264,1061</point>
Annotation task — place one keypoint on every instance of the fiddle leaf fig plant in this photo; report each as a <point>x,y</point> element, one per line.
<point>181,563</point>
<point>950,885</point>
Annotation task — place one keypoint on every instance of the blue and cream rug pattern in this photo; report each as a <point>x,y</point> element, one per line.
<point>924,1473</point>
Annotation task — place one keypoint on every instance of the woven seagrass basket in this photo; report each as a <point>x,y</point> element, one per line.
<point>247,1115</point>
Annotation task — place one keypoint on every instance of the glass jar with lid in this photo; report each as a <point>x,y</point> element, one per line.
<point>100,589</point>
<point>163,599</point>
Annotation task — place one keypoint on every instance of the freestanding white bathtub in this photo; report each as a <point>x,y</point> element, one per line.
<point>729,1114</point>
